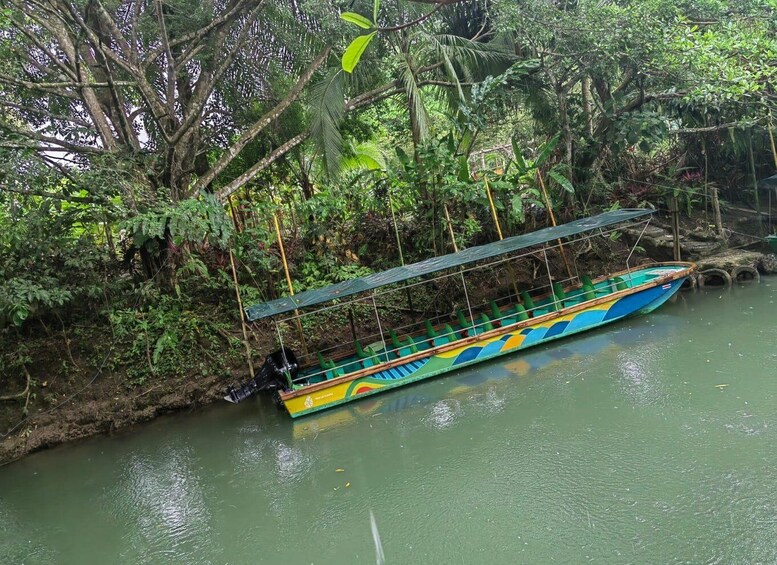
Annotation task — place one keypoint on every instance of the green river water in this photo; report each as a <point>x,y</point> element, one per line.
<point>617,446</point>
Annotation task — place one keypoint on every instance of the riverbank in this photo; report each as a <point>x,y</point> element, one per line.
<point>77,386</point>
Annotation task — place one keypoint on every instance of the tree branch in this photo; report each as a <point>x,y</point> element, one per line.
<point>262,123</point>
<point>415,21</point>
<point>251,173</point>
<point>54,195</point>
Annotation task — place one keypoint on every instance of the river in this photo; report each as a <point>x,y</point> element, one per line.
<point>651,441</point>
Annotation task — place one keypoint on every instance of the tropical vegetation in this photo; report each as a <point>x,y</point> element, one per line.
<point>152,152</point>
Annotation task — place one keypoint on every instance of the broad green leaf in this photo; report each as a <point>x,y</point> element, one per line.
<point>546,149</point>
<point>357,19</point>
<point>375,8</point>
<point>517,204</point>
<point>562,180</point>
<point>463,173</point>
<point>355,51</point>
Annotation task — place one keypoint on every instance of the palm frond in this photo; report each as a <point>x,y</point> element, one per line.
<point>365,156</point>
<point>328,105</point>
<point>475,58</point>
<point>415,101</point>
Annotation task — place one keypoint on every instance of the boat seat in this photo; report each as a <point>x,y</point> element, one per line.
<point>402,348</point>
<point>528,303</point>
<point>485,324</point>
<point>464,324</point>
<point>620,284</point>
<point>521,313</point>
<point>508,316</point>
<point>431,333</point>
<point>588,292</point>
<point>367,356</point>
<point>328,366</point>
<point>558,292</point>
<point>600,291</point>
<point>446,336</point>
<point>495,311</point>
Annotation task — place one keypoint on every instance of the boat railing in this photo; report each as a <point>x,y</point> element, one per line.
<point>384,351</point>
<point>380,348</point>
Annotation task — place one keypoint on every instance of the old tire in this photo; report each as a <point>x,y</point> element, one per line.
<point>689,283</point>
<point>745,274</point>
<point>713,278</point>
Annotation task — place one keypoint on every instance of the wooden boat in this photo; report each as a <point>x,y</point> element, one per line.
<point>430,347</point>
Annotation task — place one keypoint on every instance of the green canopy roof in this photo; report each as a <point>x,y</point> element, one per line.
<point>435,264</point>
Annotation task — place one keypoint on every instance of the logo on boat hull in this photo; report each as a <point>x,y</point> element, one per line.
<point>308,401</point>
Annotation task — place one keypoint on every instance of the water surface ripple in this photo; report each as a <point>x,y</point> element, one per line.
<point>651,441</point>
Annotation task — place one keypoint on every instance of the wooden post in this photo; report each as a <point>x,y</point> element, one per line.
<point>288,281</point>
<point>771,141</point>
<point>674,210</point>
<point>716,210</point>
<point>242,315</point>
<point>755,181</point>
<point>553,221</point>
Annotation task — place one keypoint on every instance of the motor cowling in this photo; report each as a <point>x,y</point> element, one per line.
<point>277,372</point>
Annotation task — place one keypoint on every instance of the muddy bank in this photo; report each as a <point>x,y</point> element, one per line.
<point>106,411</point>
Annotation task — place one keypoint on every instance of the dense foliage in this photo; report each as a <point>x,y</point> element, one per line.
<point>143,143</point>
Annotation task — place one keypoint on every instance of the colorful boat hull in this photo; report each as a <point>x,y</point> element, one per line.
<point>503,341</point>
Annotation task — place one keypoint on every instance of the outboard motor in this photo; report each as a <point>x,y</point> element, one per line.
<point>278,369</point>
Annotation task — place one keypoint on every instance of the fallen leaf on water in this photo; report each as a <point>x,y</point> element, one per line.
<point>339,470</point>
<point>347,485</point>
<point>721,386</point>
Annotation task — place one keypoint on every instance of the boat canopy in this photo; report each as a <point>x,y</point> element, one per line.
<point>441,263</point>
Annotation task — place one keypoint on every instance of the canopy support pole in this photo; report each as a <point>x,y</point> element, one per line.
<point>380,328</point>
<point>550,277</point>
<point>628,267</point>
<point>461,270</point>
<point>399,247</point>
<point>283,353</point>
<point>288,281</point>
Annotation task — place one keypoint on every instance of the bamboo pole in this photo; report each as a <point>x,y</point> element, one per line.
<point>553,221</point>
<point>233,213</point>
<point>450,228</point>
<point>493,208</point>
<point>242,315</point>
<point>399,247</point>
<point>771,140</point>
<point>288,281</point>
<point>499,232</point>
